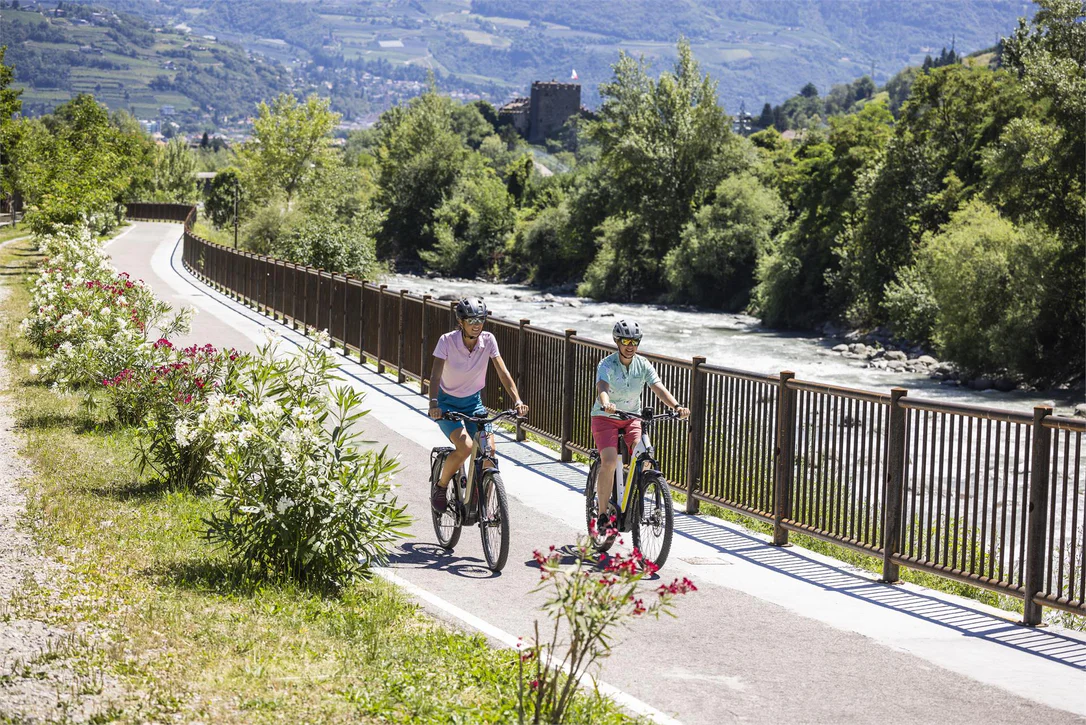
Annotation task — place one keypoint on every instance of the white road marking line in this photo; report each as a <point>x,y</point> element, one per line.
<point>628,701</point>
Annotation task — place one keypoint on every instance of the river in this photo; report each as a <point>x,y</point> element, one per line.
<point>726,339</point>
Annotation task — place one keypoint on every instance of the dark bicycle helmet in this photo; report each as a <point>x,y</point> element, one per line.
<point>469,307</point>
<point>626,328</point>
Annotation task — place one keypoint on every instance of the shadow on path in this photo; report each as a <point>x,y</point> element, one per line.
<point>1048,645</point>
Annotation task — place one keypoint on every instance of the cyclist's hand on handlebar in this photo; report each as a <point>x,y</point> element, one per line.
<point>521,408</point>
<point>435,410</point>
<point>609,407</point>
<point>682,412</point>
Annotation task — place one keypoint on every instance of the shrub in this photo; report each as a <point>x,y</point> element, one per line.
<point>588,600</point>
<point>990,279</point>
<point>714,261</point>
<point>331,245</point>
<point>300,497</point>
<point>909,306</point>
<point>185,405</point>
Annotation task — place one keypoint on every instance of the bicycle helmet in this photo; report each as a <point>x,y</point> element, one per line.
<point>626,328</point>
<point>470,307</point>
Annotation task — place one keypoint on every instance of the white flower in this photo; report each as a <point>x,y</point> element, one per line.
<point>249,509</point>
<point>285,503</point>
<point>182,433</point>
<point>104,311</point>
<point>34,370</point>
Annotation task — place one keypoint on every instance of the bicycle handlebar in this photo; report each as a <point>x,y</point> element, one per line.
<point>453,415</point>
<point>648,415</point>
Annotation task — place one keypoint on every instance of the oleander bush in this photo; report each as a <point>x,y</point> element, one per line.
<point>300,495</point>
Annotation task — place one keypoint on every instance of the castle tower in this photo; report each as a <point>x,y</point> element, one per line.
<point>551,104</point>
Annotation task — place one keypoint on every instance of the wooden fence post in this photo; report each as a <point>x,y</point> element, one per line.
<point>894,492</point>
<point>362,324</point>
<point>400,342</point>
<point>695,435</point>
<point>380,327</point>
<point>423,356</point>
<point>784,458</point>
<point>1037,522</point>
<point>522,352</point>
<point>567,396</point>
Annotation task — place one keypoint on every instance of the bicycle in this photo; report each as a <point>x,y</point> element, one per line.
<point>475,497</point>
<point>649,515</point>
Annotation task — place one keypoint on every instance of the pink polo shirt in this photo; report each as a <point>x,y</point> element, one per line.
<point>465,372</point>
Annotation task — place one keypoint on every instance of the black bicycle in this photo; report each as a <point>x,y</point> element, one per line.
<point>475,497</point>
<point>641,501</point>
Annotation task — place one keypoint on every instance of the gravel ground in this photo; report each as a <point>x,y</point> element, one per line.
<point>40,681</point>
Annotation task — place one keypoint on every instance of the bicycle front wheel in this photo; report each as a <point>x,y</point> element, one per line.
<point>494,521</point>
<point>655,519</point>
<point>447,522</point>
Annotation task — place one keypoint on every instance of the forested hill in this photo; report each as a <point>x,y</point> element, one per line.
<point>759,51</point>
<point>69,49</point>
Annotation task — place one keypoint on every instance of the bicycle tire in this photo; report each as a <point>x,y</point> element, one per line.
<point>494,533</point>
<point>591,510</point>
<point>653,529</point>
<point>446,523</point>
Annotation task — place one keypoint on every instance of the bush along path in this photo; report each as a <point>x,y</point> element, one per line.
<point>204,537</point>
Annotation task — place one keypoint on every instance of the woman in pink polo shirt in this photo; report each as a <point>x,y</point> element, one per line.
<point>456,384</point>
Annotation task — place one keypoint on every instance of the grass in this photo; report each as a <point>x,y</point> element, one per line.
<point>20,230</point>
<point>187,630</point>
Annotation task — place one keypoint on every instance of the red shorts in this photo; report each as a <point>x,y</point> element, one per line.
<point>605,432</point>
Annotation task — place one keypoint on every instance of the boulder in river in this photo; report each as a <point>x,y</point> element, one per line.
<point>840,348</point>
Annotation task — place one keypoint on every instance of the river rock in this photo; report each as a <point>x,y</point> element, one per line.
<point>981,384</point>
<point>573,303</point>
<point>927,360</point>
<point>877,364</point>
<point>895,365</point>
<point>840,348</point>
<point>896,355</point>
<point>1004,385</point>
<point>449,297</point>
<point>878,353</point>
<point>851,356</point>
<point>548,298</point>
<point>858,348</point>
<point>1080,410</point>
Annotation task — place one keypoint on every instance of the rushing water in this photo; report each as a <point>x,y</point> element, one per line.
<point>731,340</point>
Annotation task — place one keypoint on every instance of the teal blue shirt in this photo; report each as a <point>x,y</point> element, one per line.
<point>626,383</point>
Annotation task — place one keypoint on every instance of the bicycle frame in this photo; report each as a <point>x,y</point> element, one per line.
<point>642,453</point>
<point>468,485</point>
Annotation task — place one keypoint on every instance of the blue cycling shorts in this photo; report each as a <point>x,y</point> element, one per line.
<point>468,405</point>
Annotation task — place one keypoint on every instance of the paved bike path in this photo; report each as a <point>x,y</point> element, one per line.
<point>772,633</point>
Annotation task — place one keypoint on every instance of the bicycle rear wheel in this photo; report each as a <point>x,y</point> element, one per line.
<point>654,520</point>
<point>592,510</point>
<point>447,522</point>
<point>494,521</point>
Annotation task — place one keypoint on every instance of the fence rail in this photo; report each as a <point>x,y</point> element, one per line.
<point>991,497</point>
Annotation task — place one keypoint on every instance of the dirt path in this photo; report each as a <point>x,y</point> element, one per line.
<point>39,681</point>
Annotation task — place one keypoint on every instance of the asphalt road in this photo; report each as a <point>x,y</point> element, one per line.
<point>772,634</point>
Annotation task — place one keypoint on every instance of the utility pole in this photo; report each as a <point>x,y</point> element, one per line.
<point>235,212</point>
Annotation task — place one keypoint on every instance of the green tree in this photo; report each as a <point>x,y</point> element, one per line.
<point>175,173</point>
<point>290,140</point>
<point>658,143</point>
<point>714,263</point>
<point>9,106</point>
<point>219,199</point>
<point>801,281</point>
<point>419,160</point>
<point>79,164</point>
<point>472,226</point>
<point>988,278</point>
<point>331,245</point>
<point>934,161</point>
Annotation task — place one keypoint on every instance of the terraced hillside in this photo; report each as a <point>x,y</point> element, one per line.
<point>127,63</point>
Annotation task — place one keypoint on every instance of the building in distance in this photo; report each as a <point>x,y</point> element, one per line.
<point>545,111</point>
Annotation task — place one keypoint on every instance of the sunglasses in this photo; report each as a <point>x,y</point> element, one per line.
<point>628,341</point>
<point>474,320</point>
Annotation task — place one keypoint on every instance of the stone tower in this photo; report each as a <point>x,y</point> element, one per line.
<point>551,104</point>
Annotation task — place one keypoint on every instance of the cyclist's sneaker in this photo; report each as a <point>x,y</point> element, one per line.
<point>439,500</point>
<point>603,522</point>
